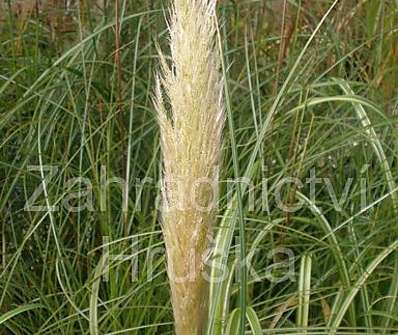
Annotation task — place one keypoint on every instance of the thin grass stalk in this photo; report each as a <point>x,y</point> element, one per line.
<point>190,114</point>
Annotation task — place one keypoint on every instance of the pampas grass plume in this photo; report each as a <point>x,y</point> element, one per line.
<point>190,114</point>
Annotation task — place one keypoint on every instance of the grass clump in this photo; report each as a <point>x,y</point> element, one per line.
<point>311,107</point>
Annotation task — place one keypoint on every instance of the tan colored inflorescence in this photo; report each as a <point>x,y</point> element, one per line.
<point>190,113</point>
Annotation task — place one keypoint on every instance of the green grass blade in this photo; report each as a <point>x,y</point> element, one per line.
<point>304,292</point>
<point>19,310</point>
<point>93,311</point>
<point>239,194</point>
<point>334,325</point>
<point>254,321</point>
<point>233,325</point>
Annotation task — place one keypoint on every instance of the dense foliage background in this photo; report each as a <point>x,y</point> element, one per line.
<point>311,90</point>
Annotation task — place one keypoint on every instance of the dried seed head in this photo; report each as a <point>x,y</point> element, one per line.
<point>190,114</point>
